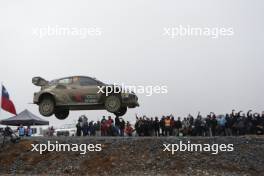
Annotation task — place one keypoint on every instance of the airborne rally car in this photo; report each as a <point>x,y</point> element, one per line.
<point>60,96</point>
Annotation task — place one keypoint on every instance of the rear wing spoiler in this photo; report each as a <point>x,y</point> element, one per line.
<point>38,81</point>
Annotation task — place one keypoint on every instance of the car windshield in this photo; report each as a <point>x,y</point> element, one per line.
<point>98,81</point>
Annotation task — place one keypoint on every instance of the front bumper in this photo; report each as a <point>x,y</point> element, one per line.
<point>130,100</point>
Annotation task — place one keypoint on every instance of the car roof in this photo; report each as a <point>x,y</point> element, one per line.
<point>72,77</point>
<point>55,80</point>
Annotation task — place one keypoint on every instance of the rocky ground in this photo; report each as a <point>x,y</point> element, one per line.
<point>134,156</point>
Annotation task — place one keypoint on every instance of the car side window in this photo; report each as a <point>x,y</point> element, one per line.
<point>65,81</point>
<point>87,81</point>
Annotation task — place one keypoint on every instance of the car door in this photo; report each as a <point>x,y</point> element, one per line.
<point>64,91</point>
<point>86,91</point>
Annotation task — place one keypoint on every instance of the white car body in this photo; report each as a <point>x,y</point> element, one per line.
<point>66,130</point>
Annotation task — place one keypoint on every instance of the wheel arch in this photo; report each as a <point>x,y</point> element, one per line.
<point>47,94</point>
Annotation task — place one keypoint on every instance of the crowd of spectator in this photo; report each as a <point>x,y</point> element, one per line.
<point>233,124</point>
<point>105,127</point>
<point>24,131</point>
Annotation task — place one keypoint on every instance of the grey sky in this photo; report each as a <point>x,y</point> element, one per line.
<point>202,74</point>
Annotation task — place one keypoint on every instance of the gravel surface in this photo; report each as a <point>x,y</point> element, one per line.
<point>134,156</point>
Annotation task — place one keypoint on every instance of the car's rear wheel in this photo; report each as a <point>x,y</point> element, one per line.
<point>46,106</point>
<point>61,114</point>
<point>113,103</point>
<point>121,112</point>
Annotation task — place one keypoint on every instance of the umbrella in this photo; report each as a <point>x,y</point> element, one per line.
<point>25,118</point>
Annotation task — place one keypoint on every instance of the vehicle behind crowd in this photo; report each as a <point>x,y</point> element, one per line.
<point>66,130</point>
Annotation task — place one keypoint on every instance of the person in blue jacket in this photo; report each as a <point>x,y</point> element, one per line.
<point>21,131</point>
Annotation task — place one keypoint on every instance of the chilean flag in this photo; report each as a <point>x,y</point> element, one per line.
<point>6,103</point>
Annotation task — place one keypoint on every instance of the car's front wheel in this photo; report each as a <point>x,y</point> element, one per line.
<point>46,106</point>
<point>113,103</point>
<point>62,114</point>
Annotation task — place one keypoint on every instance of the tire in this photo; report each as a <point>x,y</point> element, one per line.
<point>113,103</point>
<point>62,114</point>
<point>47,106</point>
<point>121,112</point>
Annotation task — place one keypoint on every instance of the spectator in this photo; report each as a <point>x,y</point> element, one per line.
<point>92,128</point>
<point>185,126</point>
<point>221,122</point>
<point>212,125</point>
<point>103,127</point>
<point>162,125</point>
<point>21,131</point>
<point>172,126</point>
<point>198,126</point>
<point>122,126</point>
<point>129,130</point>
<point>167,122</point>
<point>79,128</point>
<point>29,131</point>
<point>117,125</point>
<point>156,125</point>
<point>98,128</point>
<point>85,128</point>
<point>51,131</point>
<point>178,126</point>
<point>109,125</point>
<point>228,125</point>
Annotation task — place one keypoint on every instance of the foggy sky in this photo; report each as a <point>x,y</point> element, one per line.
<point>201,73</point>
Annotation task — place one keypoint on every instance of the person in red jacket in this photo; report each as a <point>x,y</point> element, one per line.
<point>109,125</point>
<point>103,127</point>
<point>129,130</point>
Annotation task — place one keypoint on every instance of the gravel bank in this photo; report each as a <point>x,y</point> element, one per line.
<point>135,156</point>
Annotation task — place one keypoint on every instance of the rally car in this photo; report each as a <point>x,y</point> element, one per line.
<point>59,96</point>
